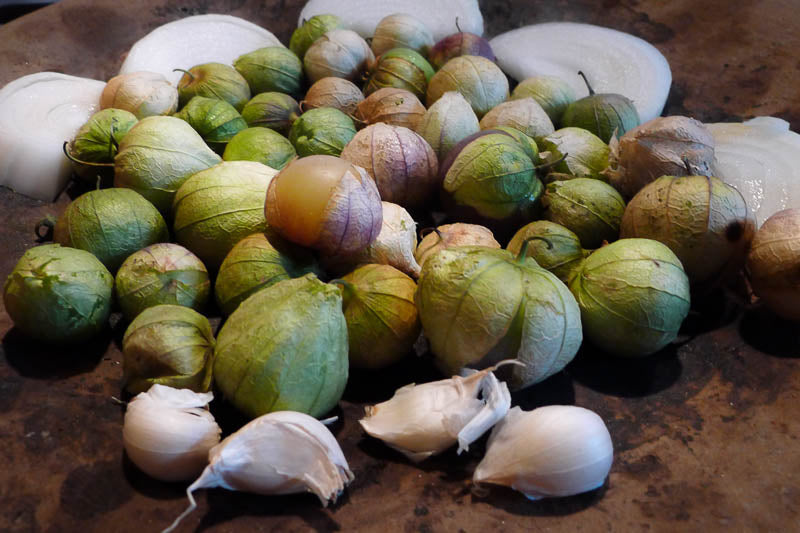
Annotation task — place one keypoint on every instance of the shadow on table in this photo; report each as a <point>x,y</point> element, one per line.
<point>768,333</point>
<point>375,386</point>
<point>33,359</point>
<point>150,487</point>
<point>626,377</point>
<point>224,506</point>
<point>516,503</point>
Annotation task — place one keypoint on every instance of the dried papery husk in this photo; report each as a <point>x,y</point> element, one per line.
<point>396,107</point>
<point>273,68</point>
<point>552,93</point>
<point>552,451</point>
<point>424,420</point>
<point>382,319</point>
<point>552,246</point>
<point>606,115</point>
<point>214,80</point>
<point>284,348</point>
<point>325,203</point>
<point>339,53</point>
<point>256,262</point>
<point>276,111</point>
<point>164,273</point>
<point>168,432</point>
<point>490,176</point>
<point>578,152</point>
<point>394,246</point>
<point>460,44</point>
<point>58,295</point>
<point>773,264</point>
<point>111,224</point>
<point>321,131</point>
<point>664,146</point>
<point>479,305</point>
<point>401,162</point>
<point>144,94</point>
<point>310,30</point>
<point>97,142</point>
<point>401,30</point>
<point>452,235</point>
<point>402,68</point>
<point>633,295</point>
<point>590,208</point>
<point>157,155</point>
<point>284,452</point>
<point>337,93</point>
<point>525,115</point>
<point>528,143</point>
<point>448,121</point>
<point>218,207</point>
<point>704,221</point>
<point>478,79</point>
<point>168,345</point>
<point>215,120</point>
<point>261,145</point>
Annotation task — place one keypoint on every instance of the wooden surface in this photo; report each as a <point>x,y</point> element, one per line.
<point>706,432</point>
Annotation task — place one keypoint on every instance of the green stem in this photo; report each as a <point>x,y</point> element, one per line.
<point>550,164</point>
<point>349,289</point>
<point>424,232</point>
<point>523,252</point>
<point>79,162</point>
<point>582,75</point>
<point>192,76</point>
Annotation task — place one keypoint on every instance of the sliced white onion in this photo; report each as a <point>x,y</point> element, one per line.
<point>362,16</point>
<point>613,61</point>
<point>193,41</point>
<point>761,158</point>
<point>38,113</point>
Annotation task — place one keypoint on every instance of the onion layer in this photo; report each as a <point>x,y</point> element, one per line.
<point>38,113</point>
<point>616,62</point>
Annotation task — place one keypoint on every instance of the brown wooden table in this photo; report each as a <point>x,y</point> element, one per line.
<point>706,432</point>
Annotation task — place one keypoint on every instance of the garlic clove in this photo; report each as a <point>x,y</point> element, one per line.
<point>167,432</point>
<point>558,450</point>
<point>424,420</point>
<point>283,452</point>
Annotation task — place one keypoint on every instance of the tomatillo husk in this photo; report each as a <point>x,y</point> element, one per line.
<point>163,273</point>
<point>704,221</point>
<point>479,306</point>
<point>168,345</point>
<point>633,295</point>
<point>256,262</point>
<point>382,319</point>
<point>214,80</point>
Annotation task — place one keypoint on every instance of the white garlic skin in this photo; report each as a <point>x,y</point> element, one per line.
<point>553,451</point>
<point>283,452</point>
<point>424,420</point>
<point>167,432</point>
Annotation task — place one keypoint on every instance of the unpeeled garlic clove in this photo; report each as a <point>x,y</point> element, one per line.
<point>283,452</point>
<point>558,450</point>
<point>167,432</point>
<point>423,420</point>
